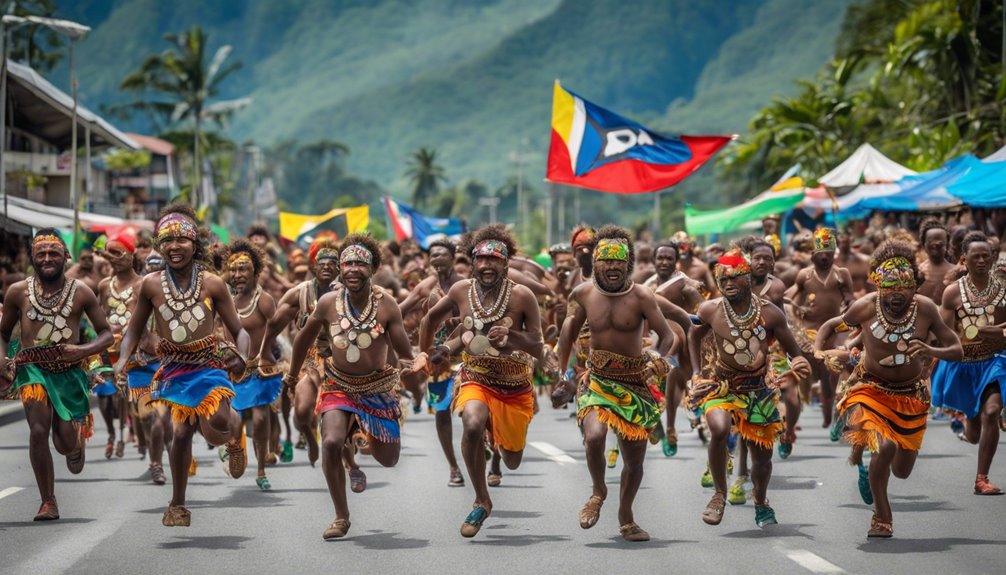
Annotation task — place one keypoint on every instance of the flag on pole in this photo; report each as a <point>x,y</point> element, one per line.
<point>781,197</point>
<point>303,228</point>
<point>597,149</point>
<point>408,223</point>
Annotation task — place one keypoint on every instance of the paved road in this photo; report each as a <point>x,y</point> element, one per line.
<point>408,519</point>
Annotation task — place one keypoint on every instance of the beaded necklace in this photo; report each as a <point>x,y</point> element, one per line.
<point>118,310</point>
<point>52,311</point>
<point>747,330</point>
<point>182,310</point>
<point>978,307</point>
<point>897,331</point>
<point>477,324</point>
<point>245,312</point>
<point>355,331</point>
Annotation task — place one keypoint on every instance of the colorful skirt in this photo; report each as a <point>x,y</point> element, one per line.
<point>503,384</point>
<point>615,387</point>
<point>959,385</point>
<point>256,391</point>
<point>440,392</point>
<point>874,410</point>
<point>753,405</point>
<point>66,389</point>
<point>140,378</point>
<point>376,406</point>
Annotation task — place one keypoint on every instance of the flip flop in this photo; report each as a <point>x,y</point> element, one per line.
<point>474,520</point>
<point>48,511</point>
<point>263,483</point>
<point>176,516</point>
<point>494,479</point>
<point>457,480</point>
<point>880,529</point>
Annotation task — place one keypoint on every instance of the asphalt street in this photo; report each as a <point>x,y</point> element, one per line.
<point>408,519</point>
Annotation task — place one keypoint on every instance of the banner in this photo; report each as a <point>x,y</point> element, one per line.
<point>782,197</point>
<point>408,223</point>
<point>302,228</point>
<point>597,149</point>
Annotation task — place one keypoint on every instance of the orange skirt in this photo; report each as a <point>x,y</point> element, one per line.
<point>509,413</point>
<point>874,413</point>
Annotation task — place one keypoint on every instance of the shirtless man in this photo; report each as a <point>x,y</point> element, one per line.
<point>502,341</point>
<point>695,268</point>
<point>85,270</point>
<point>441,384</point>
<point>821,292</point>
<point>644,267</point>
<point>857,264</point>
<point>617,310</point>
<point>932,272</point>
<point>46,368</point>
<point>192,379</point>
<point>732,390</point>
<point>359,388</point>
<point>975,305</point>
<point>887,403</point>
<point>258,387</point>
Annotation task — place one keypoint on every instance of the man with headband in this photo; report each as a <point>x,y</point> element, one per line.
<point>293,310</point>
<point>975,305</point>
<point>185,300</point>
<point>500,342</point>
<point>731,390</point>
<point>615,390</point>
<point>46,369</point>
<point>887,401</point>
<point>257,388</point>
<point>693,267</point>
<point>359,390</point>
<point>821,292</point>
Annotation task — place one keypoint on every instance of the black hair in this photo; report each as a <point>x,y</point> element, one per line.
<point>200,253</point>
<point>668,244</point>
<point>443,243</point>
<point>973,237</point>
<point>366,241</point>
<point>894,249</point>
<point>760,243</point>
<point>242,245</point>
<point>259,230</point>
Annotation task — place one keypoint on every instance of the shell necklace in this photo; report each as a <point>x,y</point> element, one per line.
<point>182,310</point>
<point>356,330</point>
<point>898,332</point>
<point>118,310</point>
<point>747,331</point>
<point>52,311</point>
<point>482,318</point>
<point>245,312</point>
<point>978,307</point>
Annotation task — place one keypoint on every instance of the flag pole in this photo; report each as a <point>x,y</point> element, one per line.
<point>656,215</point>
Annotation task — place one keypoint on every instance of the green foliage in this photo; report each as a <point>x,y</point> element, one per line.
<point>425,176</point>
<point>127,159</point>
<point>33,44</point>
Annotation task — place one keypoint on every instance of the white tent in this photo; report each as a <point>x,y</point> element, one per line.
<point>865,165</point>
<point>997,156</point>
<point>39,215</point>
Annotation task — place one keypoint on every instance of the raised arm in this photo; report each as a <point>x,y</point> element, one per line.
<point>697,333</point>
<point>284,314</point>
<point>655,320</point>
<point>228,314</point>
<point>137,324</point>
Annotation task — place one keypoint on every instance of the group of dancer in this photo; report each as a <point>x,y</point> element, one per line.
<point>217,339</point>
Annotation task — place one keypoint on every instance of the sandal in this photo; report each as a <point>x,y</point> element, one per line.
<point>176,516</point>
<point>880,529</point>
<point>633,532</point>
<point>670,444</point>
<point>48,511</point>
<point>713,513</point>
<point>985,487</point>
<point>157,474</point>
<point>591,512</point>
<point>338,528</point>
<point>263,483</point>
<point>357,480</point>
<point>456,480</point>
<point>75,461</point>
<point>474,520</point>
<point>109,449</point>
<point>236,460</point>
<point>494,479</point>
<point>120,449</point>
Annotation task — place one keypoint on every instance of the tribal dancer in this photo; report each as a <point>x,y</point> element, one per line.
<point>820,293</point>
<point>258,387</point>
<point>359,387</point>
<point>47,371</point>
<point>887,402</point>
<point>192,379</point>
<point>502,340</point>
<point>440,388</point>
<point>294,308</point>
<point>736,391</point>
<point>976,307</point>
<point>614,392</point>
<point>933,237</point>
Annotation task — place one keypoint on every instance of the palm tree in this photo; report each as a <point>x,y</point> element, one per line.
<point>425,175</point>
<point>185,85</point>
<point>35,45</point>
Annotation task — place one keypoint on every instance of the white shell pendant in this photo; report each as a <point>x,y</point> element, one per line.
<point>363,340</point>
<point>352,354</point>
<point>479,344</point>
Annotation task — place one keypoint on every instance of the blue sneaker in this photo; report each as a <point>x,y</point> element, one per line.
<point>864,484</point>
<point>956,426</point>
<point>731,441</point>
<point>765,515</point>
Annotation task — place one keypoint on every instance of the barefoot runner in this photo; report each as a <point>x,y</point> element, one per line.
<point>359,388</point>
<point>192,379</point>
<point>502,340</point>
<point>46,369</point>
<point>887,402</point>
<point>614,392</point>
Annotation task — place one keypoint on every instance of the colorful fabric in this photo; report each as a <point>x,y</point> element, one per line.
<point>506,374</point>
<point>66,390</point>
<point>122,240</point>
<point>490,248</point>
<point>875,410</point>
<point>959,386</point>
<point>47,241</point>
<point>410,223</point>
<point>583,236</point>
<point>509,413</point>
<point>239,258</point>
<point>893,273</point>
<point>595,148</point>
<point>776,243</point>
<point>751,402</point>
<point>374,401</point>
<point>176,225</point>
<point>256,391</point>
<point>191,378</point>
<point>140,377</point>
<point>615,387</point>
<point>440,392</point>
<point>105,389</point>
<point>611,249</point>
<point>731,264</point>
<point>356,253</point>
<point>825,240</point>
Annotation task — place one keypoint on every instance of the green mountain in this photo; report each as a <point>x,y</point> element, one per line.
<point>471,78</point>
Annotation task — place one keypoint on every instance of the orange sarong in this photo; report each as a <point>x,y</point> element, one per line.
<point>503,384</point>
<point>875,410</point>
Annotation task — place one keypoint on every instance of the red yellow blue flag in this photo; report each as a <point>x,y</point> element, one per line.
<point>597,149</point>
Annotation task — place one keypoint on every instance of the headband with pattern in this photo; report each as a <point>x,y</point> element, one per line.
<point>825,240</point>
<point>239,257</point>
<point>176,225</point>
<point>354,253</point>
<point>894,273</point>
<point>491,248</point>
<point>612,249</point>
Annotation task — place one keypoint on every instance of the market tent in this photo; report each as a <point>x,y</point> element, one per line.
<point>926,191</point>
<point>39,215</point>
<point>865,166</point>
<point>984,186</point>
<point>850,205</point>
<point>780,198</point>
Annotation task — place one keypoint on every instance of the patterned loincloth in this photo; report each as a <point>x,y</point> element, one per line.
<point>751,402</point>
<point>619,389</point>
<point>875,410</point>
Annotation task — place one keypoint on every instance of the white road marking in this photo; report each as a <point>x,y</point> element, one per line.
<point>10,491</point>
<point>811,562</point>
<point>552,452</point>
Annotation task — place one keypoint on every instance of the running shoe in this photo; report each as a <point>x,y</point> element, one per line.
<point>612,458</point>
<point>738,495</point>
<point>707,478</point>
<point>864,484</point>
<point>765,515</point>
<point>286,454</point>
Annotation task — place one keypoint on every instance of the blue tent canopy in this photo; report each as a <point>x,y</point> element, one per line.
<point>927,191</point>
<point>983,186</point>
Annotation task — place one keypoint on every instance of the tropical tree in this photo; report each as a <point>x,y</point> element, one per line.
<point>178,86</point>
<point>33,44</point>
<point>425,176</point>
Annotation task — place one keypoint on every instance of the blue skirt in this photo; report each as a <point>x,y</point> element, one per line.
<point>959,386</point>
<point>441,393</point>
<point>256,391</point>
<point>105,390</point>
<point>141,377</point>
<point>191,389</point>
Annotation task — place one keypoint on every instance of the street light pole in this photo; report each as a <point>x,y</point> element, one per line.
<point>75,249</point>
